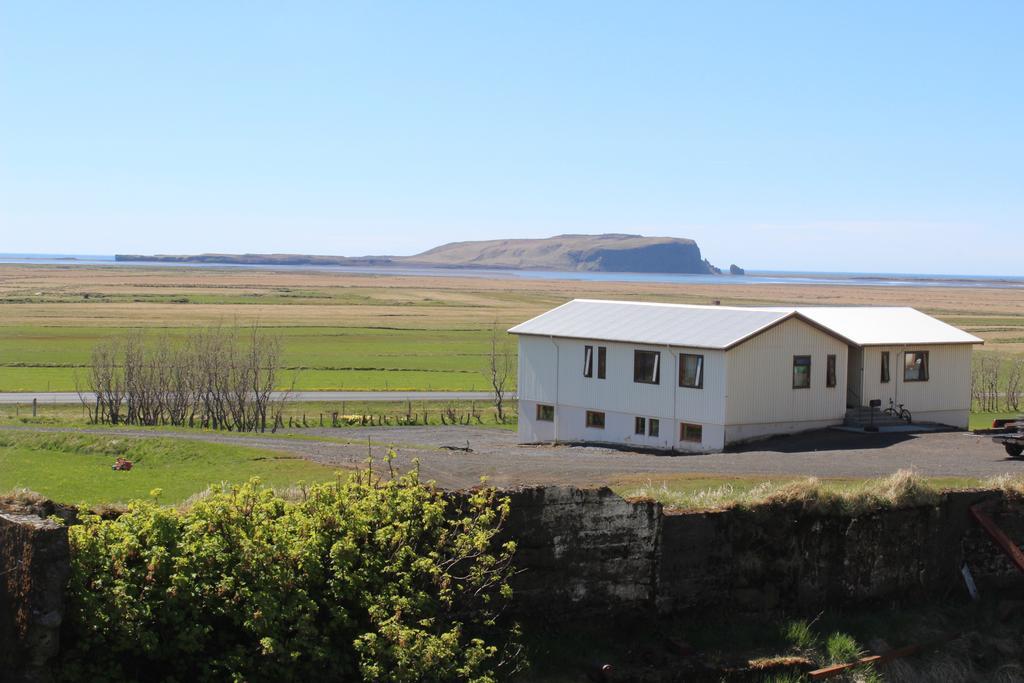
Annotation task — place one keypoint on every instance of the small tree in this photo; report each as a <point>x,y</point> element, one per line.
<point>500,368</point>
<point>216,377</point>
<point>1014,380</point>
<point>985,382</point>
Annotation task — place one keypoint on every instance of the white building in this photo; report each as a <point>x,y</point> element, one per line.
<point>696,378</point>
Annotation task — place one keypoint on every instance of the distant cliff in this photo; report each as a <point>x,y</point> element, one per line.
<point>600,253</point>
<point>609,253</point>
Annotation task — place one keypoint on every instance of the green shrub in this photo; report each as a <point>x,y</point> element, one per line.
<point>362,579</point>
<point>799,634</point>
<point>842,648</point>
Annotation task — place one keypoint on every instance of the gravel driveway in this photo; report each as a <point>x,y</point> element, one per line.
<point>496,455</point>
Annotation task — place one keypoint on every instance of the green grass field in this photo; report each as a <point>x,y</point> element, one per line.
<point>984,420</point>
<point>347,331</point>
<point>76,468</point>
<point>34,358</point>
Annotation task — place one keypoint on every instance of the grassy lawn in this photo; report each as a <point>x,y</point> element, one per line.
<point>75,468</point>
<point>984,420</point>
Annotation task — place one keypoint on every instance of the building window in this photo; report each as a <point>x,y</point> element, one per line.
<point>647,367</point>
<point>640,426</point>
<point>545,413</point>
<point>588,361</point>
<point>885,367</point>
<point>801,372</point>
<point>915,366</point>
<point>602,361</point>
<point>830,370</point>
<point>653,426</point>
<point>690,432</point>
<point>691,370</point>
<point>595,419</point>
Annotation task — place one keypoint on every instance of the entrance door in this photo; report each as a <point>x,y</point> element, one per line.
<point>854,377</point>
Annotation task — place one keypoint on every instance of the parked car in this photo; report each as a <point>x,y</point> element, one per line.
<point>1012,437</point>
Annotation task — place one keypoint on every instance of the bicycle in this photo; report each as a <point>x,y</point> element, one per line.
<point>897,411</point>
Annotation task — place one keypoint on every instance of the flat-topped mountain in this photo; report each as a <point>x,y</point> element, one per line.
<point>610,253</point>
<point>602,253</point>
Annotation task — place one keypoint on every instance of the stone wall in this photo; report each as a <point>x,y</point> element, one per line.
<point>582,547</point>
<point>771,558</point>
<point>34,567</point>
<point>585,551</point>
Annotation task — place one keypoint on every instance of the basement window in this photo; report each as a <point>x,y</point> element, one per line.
<point>602,361</point>
<point>690,432</point>
<point>653,426</point>
<point>545,413</point>
<point>647,367</point>
<point>830,370</point>
<point>915,366</point>
<point>640,426</point>
<point>801,372</point>
<point>885,367</point>
<point>691,370</point>
<point>588,361</point>
<point>595,420</point>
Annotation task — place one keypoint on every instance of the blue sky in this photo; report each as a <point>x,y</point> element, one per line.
<point>863,136</point>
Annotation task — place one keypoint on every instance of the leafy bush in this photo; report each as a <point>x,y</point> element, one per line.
<point>842,648</point>
<point>364,578</point>
<point>801,636</point>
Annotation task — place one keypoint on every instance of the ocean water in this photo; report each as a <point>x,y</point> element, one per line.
<point>751,278</point>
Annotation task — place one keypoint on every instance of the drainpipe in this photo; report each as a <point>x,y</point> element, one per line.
<point>558,410</point>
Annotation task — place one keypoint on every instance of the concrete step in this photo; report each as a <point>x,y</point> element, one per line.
<point>876,417</point>
<point>862,417</point>
<point>876,423</point>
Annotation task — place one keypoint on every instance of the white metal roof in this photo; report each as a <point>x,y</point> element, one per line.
<point>878,325</point>
<point>722,327</point>
<point>707,327</point>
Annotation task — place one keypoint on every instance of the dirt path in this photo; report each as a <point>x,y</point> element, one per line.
<point>496,455</point>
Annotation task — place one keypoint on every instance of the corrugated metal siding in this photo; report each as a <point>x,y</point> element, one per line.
<point>532,430</point>
<point>760,377</point>
<point>619,430</point>
<point>707,405</point>
<point>536,369</point>
<point>949,378</point>
<point>618,393</point>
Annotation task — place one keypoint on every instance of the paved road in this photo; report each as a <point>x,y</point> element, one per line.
<point>327,396</point>
<point>495,455</point>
